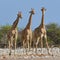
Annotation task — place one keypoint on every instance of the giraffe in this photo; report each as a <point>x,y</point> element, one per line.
<point>12,34</point>
<point>26,34</point>
<point>40,32</point>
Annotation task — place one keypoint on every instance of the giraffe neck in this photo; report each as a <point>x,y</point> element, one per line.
<point>42,21</point>
<point>15,23</point>
<point>29,23</point>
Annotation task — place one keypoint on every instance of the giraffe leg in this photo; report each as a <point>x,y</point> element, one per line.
<point>15,40</point>
<point>47,44</point>
<point>9,47</point>
<point>9,44</point>
<point>14,46</point>
<point>37,44</point>
<point>33,43</point>
<point>30,40</point>
<point>28,44</point>
<point>23,46</point>
<point>41,39</point>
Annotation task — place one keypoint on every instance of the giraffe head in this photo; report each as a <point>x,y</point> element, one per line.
<point>43,9</point>
<point>32,11</point>
<point>19,14</point>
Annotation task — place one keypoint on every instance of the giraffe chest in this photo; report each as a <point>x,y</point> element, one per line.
<point>28,32</point>
<point>40,31</point>
<point>43,30</point>
<point>14,31</point>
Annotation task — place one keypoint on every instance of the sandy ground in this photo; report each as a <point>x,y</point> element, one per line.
<point>55,51</point>
<point>29,57</point>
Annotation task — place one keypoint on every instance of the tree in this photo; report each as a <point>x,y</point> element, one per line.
<point>3,34</point>
<point>53,32</point>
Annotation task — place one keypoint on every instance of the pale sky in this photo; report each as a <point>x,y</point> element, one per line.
<point>10,8</point>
